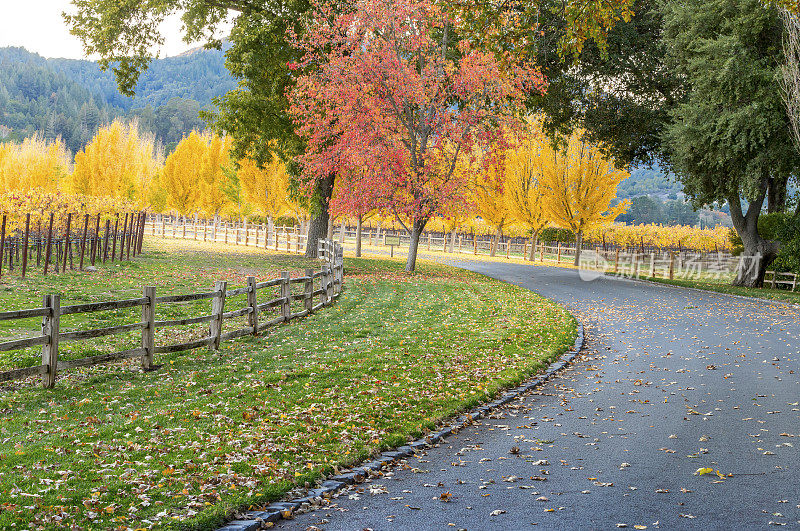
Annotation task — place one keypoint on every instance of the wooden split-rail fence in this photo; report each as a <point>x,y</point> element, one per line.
<point>276,238</point>
<point>81,241</point>
<point>315,290</point>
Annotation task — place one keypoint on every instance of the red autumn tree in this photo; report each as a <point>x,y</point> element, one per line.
<point>397,96</point>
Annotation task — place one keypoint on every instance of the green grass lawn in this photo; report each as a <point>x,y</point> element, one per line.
<point>112,447</point>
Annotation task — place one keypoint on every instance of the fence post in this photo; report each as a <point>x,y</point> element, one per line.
<point>329,279</point>
<point>774,278</point>
<point>652,265</point>
<point>616,261</point>
<point>252,302</point>
<point>50,328</point>
<point>474,244</point>
<point>149,330</point>
<point>308,299</point>
<point>217,309</point>
<point>558,256</point>
<point>323,284</point>
<point>286,292</point>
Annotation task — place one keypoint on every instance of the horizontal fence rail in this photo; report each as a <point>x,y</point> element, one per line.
<point>319,289</point>
<point>264,236</point>
<point>293,240</point>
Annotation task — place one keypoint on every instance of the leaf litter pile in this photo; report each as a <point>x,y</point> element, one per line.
<point>211,432</point>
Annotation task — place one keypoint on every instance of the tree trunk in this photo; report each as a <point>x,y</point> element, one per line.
<point>534,241</point>
<point>416,231</point>
<point>377,235</point>
<point>359,226</point>
<point>270,228</point>
<point>578,243</point>
<point>776,195</point>
<point>496,242</point>
<point>319,222</point>
<point>452,241</point>
<point>758,253</point>
<point>330,229</point>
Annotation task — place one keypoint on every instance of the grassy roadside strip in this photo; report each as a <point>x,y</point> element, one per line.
<point>719,286</point>
<point>779,295</point>
<point>215,431</point>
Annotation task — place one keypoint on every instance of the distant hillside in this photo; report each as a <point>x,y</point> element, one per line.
<point>71,98</point>
<point>198,75</point>
<point>650,181</point>
<point>35,98</point>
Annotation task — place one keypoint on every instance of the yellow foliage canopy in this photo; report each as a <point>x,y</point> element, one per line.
<point>180,176</point>
<point>118,163</point>
<point>579,185</point>
<point>525,197</point>
<point>268,189</point>
<point>35,163</point>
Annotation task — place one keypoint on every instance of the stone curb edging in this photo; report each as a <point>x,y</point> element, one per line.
<point>284,509</point>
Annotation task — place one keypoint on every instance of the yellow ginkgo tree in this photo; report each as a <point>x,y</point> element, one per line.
<point>33,164</point>
<point>525,196</point>
<point>579,184</point>
<point>119,162</point>
<point>490,200</point>
<point>180,176</point>
<point>267,189</point>
<point>212,176</point>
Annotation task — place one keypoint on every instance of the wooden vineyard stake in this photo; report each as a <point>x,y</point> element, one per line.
<point>105,240</point>
<point>122,239</point>
<point>66,242</point>
<point>96,239</point>
<point>83,240</point>
<point>2,243</point>
<point>114,239</point>
<point>49,249</point>
<point>130,236</point>
<point>25,244</point>
<point>39,244</point>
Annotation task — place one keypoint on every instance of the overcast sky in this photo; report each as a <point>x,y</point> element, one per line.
<point>38,26</point>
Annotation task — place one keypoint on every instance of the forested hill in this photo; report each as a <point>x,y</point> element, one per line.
<point>197,75</point>
<point>71,98</point>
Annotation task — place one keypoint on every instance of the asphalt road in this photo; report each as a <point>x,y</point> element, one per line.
<point>671,380</point>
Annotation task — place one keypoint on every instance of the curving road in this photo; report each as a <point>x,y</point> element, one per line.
<point>670,381</point>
